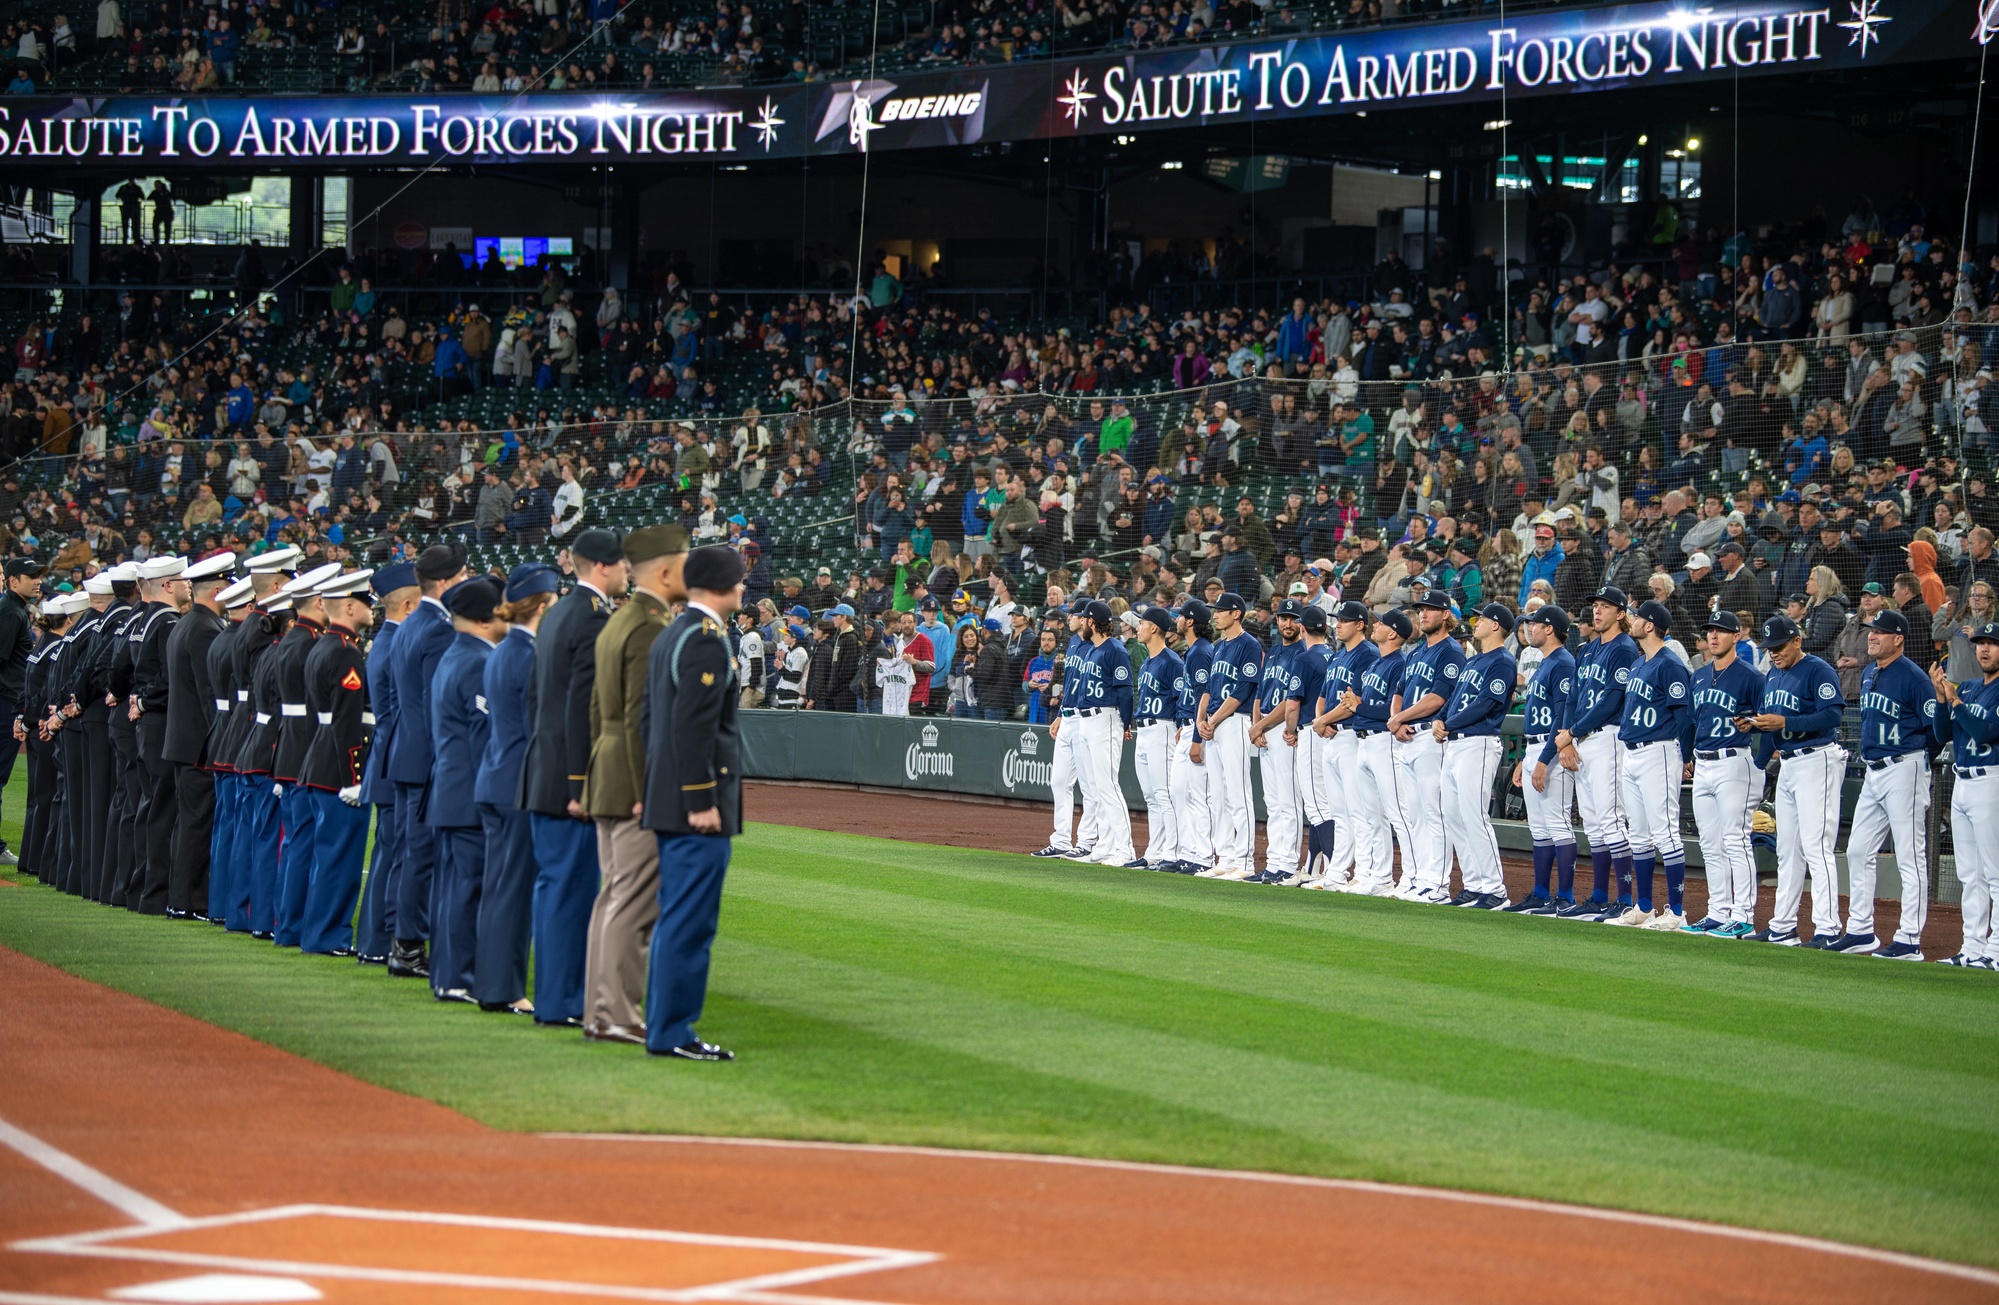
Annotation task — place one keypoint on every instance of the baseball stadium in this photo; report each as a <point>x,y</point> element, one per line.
<point>627,622</point>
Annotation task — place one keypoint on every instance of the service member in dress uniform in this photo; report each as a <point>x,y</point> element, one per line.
<point>396,594</point>
<point>693,796</point>
<point>419,644</point>
<point>225,884</point>
<point>622,919</point>
<point>44,775</point>
<point>163,593</point>
<point>297,817</point>
<point>506,896</point>
<point>558,761</point>
<point>18,637</point>
<point>104,688</point>
<point>62,728</point>
<point>261,835</point>
<point>458,730</point>
<point>253,848</point>
<point>81,717</point>
<point>336,693</point>
<point>190,718</point>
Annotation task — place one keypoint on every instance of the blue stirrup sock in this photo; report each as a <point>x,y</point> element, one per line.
<point>1599,869</point>
<point>1676,884</point>
<point>1622,860</point>
<point>1544,861</point>
<point>1565,868</point>
<point>1645,873</point>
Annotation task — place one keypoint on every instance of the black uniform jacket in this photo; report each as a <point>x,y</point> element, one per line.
<point>693,748</point>
<point>336,693</point>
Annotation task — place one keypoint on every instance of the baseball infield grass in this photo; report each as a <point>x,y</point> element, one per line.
<point>898,992</point>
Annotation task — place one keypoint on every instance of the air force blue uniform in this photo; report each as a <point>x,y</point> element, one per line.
<point>506,900</point>
<point>458,726</point>
<point>375,927</point>
<point>418,648</point>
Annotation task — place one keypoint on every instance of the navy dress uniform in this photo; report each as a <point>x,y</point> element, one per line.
<point>419,645</point>
<point>262,832</point>
<point>44,774</point>
<point>190,716</point>
<point>80,865</point>
<point>151,688</point>
<point>109,666</point>
<point>336,693</point>
<point>227,886</point>
<point>693,773</point>
<point>296,728</point>
<point>558,761</point>
<point>506,895</point>
<point>374,930</point>
<point>458,729</point>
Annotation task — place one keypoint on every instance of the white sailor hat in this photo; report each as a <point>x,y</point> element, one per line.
<point>66,604</point>
<point>236,593</point>
<point>303,586</point>
<point>354,584</point>
<point>278,559</point>
<point>124,573</point>
<point>97,584</point>
<point>162,568</point>
<point>212,568</point>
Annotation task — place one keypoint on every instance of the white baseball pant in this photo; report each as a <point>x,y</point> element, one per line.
<point>1550,814</point>
<point>1726,791</point>
<point>1152,754</point>
<point>1339,777</point>
<point>1313,809</point>
<point>1651,783</point>
<point>1231,805</point>
<point>1974,831</point>
<point>1062,779</point>
<point>1807,823</point>
<point>1894,802</point>
<point>1379,819</point>
<point>1100,756</point>
<point>1277,761</point>
<point>1600,791</point>
<point>1469,768</point>
<point>1428,856</point>
<point>1188,780</point>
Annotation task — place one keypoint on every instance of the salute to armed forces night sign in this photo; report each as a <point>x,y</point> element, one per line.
<point>1552,52</point>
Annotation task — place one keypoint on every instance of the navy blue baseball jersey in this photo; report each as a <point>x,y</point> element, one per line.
<point>1235,672</point>
<point>1898,710</point>
<point>1721,697</point>
<point>1379,684</point>
<point>1657,704</point>
<point>1278,667</point>
<point>1602,669</point>
<point>1807,697</point>
<point>1973,725</point>
<point>1545,705</point>
<point>1161,682</point>
<point>1427,669</point>
<point>1308,679</point>
<point>1484,694</point>
<point>1197,661</point>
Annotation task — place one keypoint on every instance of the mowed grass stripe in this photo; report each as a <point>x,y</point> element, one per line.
<point>1433,1009</point>
<point>1393,1131</point>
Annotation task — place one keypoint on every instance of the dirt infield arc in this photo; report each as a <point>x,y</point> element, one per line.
<point>147,1156</point>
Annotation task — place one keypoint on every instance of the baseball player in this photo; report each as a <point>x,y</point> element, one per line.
<point>1301,707</point>
<point>1972,724</point>
<point>1548,788</point>
<point>1062,767</point>
<point>1429,677</point>
<point>1468,732</point>
<point>1798,719</point>
<point>1727,781</point>
<point>1588,748</point>
<point>1161,682</point>
<point>1277,755</point>
<point>1898,722</point>
<point>1379,818</point>
<point>1335,728</point>
<point>1234,678</point>
<point>1098,715</point>
<point>1189,775</point>
<point>1657,730</point>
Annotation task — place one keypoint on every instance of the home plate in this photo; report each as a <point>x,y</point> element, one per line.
<point>219,1289</point>
<point>484,1252</point>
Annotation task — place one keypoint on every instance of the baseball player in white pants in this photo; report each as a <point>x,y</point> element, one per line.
<point>1429,676</point>
<point>1233,679</point>
<point>1062,765</point>
<point>1308,681</point>
<point>1161,681</point>
<point>1275,747</point>
<point>1727,781</point>
<point>1379,818</point>
<point>1898,723</point>
<point>1800,714</point>
<point>1469,733</point>
<point>1547,788</point>
<point>1193,822</point>
<point>1336,747</point>
<point>1972,720</point>
<point>1589,749</point>
<point>1103,709</point>
<point>1657,732</point>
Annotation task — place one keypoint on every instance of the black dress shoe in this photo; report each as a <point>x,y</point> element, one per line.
<point>262,935</point>
<point>505,1008</point>
<point>341,951</point>
<point>172,914</point>
<point>630,1034</point>
<point>695,1050</point>
<point>372,960</point>
<point>407,961</point>
<point>573,1022</point>
<point>454,994</point>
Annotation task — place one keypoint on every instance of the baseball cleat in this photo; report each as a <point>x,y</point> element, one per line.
<point>1081,853</point>
<point>1433,896</point>
<point>1578,911</point>
<point>1821,942</point>
<point>1632,917</point>
<point>1706,924</point>
<point>1961,961</point>
<point>1734,932</point>
<point>1137,863</point>
<point>1052,851</point>
<point>1666,921</point>
<point>1987,963</point>
<point>1780,938</point>
<point>1185,867</point>
<point>1491,902</point>
<point>1858,944</point>
<point>1900,951</point>
<point>1371,890</point>
<point>1296,881</point>
<point>1532,904</point>
<point>1235,872</point>
<point>1466,898</point>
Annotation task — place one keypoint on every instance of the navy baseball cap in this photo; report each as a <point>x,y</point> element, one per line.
<point>1550,615</point>
<point>1290,607</point>
<point>1194,610</point>
<point>1231,603</point>
<point>1096,610</point>
<point>1397,620</point>
<point>1159,616</point>
<point>1313,619</point>
<point>1610,594</point>
<point>1889,621</point>
<point>1986,633</point>
<point>1350,610</point>
<point>1724,620</point>
<point>1499,614</point>
<point>1435,599</point>
<point>1778,631</point>
<point>1656,612</point>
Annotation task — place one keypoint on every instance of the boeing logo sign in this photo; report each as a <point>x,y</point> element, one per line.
<point>1560,51</point>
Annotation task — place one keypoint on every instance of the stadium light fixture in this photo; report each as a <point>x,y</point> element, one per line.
<point>1172,165</point>
<point>1693,144</point>
<point>1644,140</point>
<point>1436,175</point>
<point>1497,124</point>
